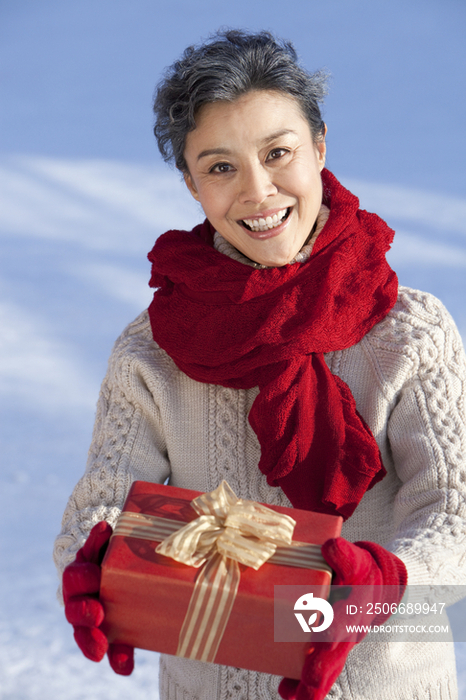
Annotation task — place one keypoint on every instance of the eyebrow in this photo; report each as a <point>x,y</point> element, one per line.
<point>278,134</point>
<point>214,152</point>
<point>220,151</point>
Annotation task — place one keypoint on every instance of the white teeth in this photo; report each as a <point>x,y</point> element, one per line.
<point>268,223</point>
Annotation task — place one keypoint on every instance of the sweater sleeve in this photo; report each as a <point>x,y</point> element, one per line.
<point>427,438</point>
<point>127,443</point>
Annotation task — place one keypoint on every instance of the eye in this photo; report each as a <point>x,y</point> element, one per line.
<point>221,168</point>
<point>277,153</point>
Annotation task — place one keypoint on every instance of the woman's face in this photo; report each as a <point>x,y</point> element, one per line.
<point>255,169</point>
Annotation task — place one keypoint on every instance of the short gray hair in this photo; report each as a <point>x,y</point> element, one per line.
<point>228,65</point>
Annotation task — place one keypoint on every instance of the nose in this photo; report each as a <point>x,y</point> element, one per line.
<point>256,184</point>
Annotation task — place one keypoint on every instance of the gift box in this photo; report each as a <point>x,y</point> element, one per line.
<point>212,608</point>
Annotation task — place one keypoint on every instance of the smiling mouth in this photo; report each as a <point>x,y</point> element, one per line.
<point>267,224</point>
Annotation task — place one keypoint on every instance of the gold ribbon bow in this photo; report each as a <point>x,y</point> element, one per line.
<point>227,532</point>
<point>244,531</point>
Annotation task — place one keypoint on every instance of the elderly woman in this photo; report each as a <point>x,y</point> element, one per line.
<point>280,354</point>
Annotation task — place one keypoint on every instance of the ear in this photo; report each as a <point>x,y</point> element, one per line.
<point>190,185</point>
<point>322,149</point>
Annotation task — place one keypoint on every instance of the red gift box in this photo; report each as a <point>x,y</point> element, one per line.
<point>147,596</point>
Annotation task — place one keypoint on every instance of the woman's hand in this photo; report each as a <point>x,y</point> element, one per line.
<point>373,576</point>
<point>81,585</point>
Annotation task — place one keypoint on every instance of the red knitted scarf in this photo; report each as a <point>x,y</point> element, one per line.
<point>226,323</point>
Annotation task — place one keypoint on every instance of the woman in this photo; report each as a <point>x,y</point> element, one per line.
<point>279,354</point>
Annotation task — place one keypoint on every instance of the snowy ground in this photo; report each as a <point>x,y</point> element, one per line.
<point>73,241</point>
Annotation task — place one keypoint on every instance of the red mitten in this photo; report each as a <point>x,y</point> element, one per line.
<point>81,585</point>
<point>382,578</point>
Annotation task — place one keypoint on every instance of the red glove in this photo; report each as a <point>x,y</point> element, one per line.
<point>371,566</point>
<point>81,585</point>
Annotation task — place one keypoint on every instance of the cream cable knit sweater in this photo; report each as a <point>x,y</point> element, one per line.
<point>408,376</point>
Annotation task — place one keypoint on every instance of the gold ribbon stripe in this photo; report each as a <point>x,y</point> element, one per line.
<point>209,609</point>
